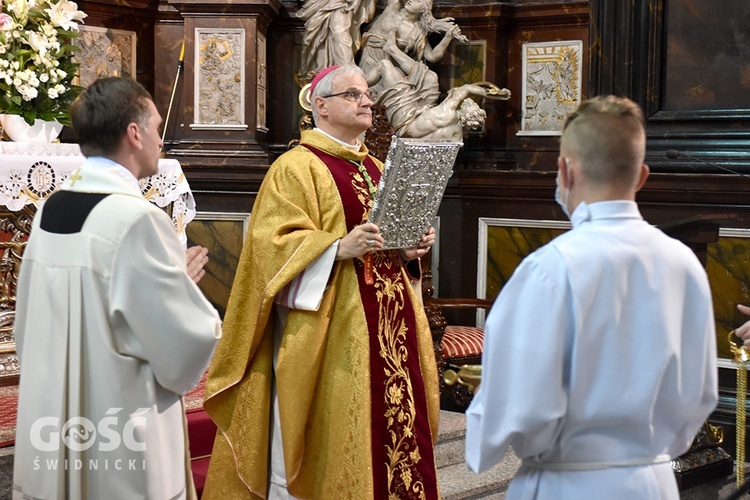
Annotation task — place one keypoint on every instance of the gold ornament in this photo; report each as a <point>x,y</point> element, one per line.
<point>741,357</point>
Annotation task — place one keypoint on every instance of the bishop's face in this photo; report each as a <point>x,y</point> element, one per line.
<point>347,118</point>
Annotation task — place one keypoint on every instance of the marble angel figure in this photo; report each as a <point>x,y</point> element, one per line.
<point>412,22</point>
<point>411,98</point>
<point>332,31</point>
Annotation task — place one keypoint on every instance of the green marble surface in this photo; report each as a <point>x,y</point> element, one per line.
<point>224,239</point>
<point>507,247</point>
<point>727,266</point>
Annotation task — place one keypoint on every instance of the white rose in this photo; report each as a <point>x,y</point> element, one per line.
<point>28,93</point>
<point>44,78</point>
<point>52,93</point>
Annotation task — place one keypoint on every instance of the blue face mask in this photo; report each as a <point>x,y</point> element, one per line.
<point>563,203</point>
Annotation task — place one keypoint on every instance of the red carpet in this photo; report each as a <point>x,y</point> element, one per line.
<point>201,429</point>
<point>194,398</point>
<point>9,407</point>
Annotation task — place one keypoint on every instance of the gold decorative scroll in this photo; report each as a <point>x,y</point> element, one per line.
<point>741,357</point>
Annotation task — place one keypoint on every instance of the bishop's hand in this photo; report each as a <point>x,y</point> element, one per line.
<point>421,248</point>
<point>359,241</point>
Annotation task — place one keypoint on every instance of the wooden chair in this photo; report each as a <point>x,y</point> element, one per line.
<point>455,345</point>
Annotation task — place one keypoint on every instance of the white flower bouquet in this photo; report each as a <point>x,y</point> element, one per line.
<point>36,58</point>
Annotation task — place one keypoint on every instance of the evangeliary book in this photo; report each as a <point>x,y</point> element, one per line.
<point>411,188</point>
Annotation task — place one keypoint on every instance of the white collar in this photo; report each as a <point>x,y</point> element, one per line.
<point>610,209</point>
<point>102,163</point>
<point>352,147</point>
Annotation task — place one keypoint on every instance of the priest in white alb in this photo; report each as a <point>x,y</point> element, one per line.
<point>110,328</point>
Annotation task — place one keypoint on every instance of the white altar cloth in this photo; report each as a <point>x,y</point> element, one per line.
<point>30,172</point>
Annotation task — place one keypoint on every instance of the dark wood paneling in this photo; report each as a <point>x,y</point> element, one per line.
<point>284,47</point>
<point>641,49</point>
<point>712,36</point>
<point>539,23</point>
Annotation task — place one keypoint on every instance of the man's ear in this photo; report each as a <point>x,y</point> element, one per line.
<point>642,177</point>
<point>565,172</point>
<point>133,135</point>
<point>321,105</point>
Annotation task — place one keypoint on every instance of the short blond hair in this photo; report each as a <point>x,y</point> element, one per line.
<point>608,137</point>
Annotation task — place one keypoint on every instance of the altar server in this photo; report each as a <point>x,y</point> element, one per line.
<point>599,361</point>
<point>110,329</point>
<point>325,383</point>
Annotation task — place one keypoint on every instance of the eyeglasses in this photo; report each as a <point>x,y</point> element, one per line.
<point>353,95</point>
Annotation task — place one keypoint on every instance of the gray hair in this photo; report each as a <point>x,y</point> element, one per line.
<point>325,86</point>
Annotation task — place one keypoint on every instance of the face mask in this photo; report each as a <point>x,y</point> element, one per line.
<point>563,203</point>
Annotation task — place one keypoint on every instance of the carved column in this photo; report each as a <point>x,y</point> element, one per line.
<point>219,114</point>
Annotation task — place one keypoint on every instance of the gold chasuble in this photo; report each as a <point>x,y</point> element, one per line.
<point>356,380</point>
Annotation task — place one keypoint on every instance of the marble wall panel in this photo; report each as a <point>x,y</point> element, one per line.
<point>468,62</point>
<point>223,234</point>
<point>506,243</point>
<point>728,271</point>
<point>509,241</point>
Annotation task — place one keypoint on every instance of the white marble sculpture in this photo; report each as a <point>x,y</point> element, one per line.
<point>411,98</point>
<point>332,31</point>
<point>394,55</point>
<point>411,21</point>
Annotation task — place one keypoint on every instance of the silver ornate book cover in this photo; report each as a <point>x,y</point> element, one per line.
<point>411,188</point>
